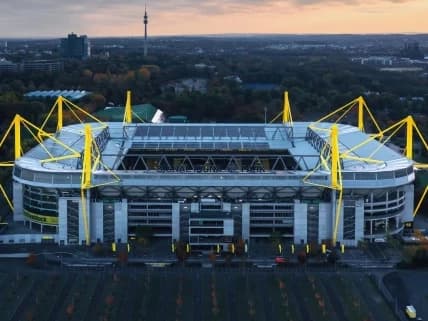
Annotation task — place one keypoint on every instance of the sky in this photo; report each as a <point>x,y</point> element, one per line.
<point>98,18</point>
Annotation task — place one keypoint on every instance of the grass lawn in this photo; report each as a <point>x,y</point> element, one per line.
<point>191,295</point>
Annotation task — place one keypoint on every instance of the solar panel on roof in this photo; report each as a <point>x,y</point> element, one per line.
<point>155,131</point>
<point>141,131</point>
<point>167,131</point>
<point>193,131</point>
<point>247,132</point>
<point>259,132</point>
<point>207,131</point>
<point>180,131</point>
<point>233,131</point>
<point>220,132</point>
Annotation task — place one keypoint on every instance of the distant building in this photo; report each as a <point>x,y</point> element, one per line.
<point>42,65</point>
<point>75,47</point>
<point>412,50</point>
<point>204,66</point>
<point>187,85</point>
<point>233,78</point>
<point>7,66</point>
<point>374,60</point>
<point>31,65</point>
<point>260,86</point>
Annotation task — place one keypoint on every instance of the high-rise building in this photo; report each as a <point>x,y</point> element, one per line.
<point>75,47</point>
<point>146,21</point>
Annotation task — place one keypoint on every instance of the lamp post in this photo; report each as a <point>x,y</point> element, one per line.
<point>265,109</point>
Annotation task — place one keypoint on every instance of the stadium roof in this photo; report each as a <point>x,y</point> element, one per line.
<point>215,138</point>
<point>143,112</point>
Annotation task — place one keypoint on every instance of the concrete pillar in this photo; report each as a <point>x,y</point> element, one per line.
<point>300,222</point>
<point>324,222</point>
<point>97,230</point>
<point>333,211</point>
<point>409,194</point>
<point>359,220</point>
<point>18,202</point>
<point>226,207</point>
<point>82,235</point>
<point>175,221</point>
<point>62,219</point>
<point>339,236</point>
<point>194,207</point>
<point>121,221</point>
<point>228,227</point>
<point>246,222</point>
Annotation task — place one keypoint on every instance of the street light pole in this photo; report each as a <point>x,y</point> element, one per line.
<point>265,109</point>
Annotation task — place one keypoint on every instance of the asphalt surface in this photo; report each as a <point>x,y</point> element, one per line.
<point>409,288</point>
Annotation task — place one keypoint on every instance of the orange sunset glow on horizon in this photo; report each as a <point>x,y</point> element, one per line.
<point>190,17</point>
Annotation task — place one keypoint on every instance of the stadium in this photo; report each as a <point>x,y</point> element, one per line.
<point>210,184</point>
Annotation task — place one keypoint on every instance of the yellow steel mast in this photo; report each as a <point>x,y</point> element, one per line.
<point>287,118</point>
<point>62,104</point>
<point>336,178</point>
<point>421,200</point>
<point>345,109</point>
<point>60,117</point>
<point>17,126</point>
<point>361,113</point>
<point>86,179</point>
<point>127,116</point>
<point>286,113</point>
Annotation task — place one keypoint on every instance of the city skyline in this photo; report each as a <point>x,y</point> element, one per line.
<point>49,18</point>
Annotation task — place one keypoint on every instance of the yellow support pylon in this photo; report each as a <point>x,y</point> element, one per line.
<point>286,113</point>
<point>127,116</point>
<point>6,197</point>
<point>86,179</point>
<point>87,158</point>
<point>336,175</point>
<point>287,118</point>
<point>421,200</point>
<point>409,137</point>
<point>60,117</point>
<point>361,113</point>
<point>335,158</point>
<point>59,105</point>
<point>17,125</point>
<point>345,109</point>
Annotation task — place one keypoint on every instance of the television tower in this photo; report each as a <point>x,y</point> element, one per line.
<point>146,20</point>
